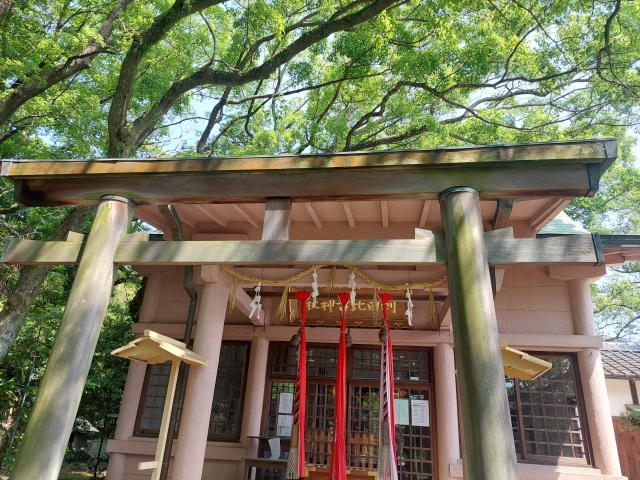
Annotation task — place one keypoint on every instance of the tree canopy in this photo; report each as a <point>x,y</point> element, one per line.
<point>215,77</point>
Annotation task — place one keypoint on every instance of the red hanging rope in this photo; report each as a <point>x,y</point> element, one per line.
<point>338,467</point>
<point>297,460</point>
<point>387,464</point>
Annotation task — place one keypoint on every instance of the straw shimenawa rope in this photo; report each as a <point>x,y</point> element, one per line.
<point>378,286</point>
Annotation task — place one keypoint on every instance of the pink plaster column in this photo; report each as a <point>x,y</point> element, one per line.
<point>253,398</point>
<point>446,409</point>
<point>603,438</point>
<point>596,401</point>
<point>581,307</point>
<point>254,394</point>
<point>127,417</point>
<point>194,424</point>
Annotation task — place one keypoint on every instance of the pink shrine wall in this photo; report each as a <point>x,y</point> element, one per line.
<point>533,313</point>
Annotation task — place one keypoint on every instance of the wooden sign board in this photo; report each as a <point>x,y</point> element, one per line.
<point>328,313</point>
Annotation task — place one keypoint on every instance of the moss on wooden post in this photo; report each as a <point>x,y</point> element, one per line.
<point>483,396</point>
<point>42,448</point>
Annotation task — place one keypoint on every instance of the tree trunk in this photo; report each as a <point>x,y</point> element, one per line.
<point>30,282</point>
<point>5,7</point>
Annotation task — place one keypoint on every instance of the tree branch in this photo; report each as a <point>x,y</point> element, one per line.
<point>144,124</point>
<point>38,83</point>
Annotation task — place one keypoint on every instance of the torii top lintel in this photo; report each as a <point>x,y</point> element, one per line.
<point>535,170</point>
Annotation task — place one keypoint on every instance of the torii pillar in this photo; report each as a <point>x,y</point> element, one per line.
<point>45,439</point>
<point>488,436</point>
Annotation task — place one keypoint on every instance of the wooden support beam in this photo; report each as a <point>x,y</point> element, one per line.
<point>347,212</point>
<point>444,315</point>
<point>45,439</point>
<point>313,214</point>
<point>207,210</point>
<point>151,217</point>
<point>424,214</point>
<point>503,212</point>
<point>245,215</point>
<point>384,213</point>
<point>185,219</point>
<point>488,437</point>
<point>430,250</point>
<point>164,424</point>
<point>277,219</point>
<point>548,211</point>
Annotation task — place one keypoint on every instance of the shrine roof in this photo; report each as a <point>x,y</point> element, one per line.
<point>621,362</point>
<point>523,171</point>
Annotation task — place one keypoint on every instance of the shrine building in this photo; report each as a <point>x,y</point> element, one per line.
<point>496,371</point>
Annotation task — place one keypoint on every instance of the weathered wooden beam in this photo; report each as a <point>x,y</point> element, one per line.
<point>42,449</point>
<point>503,212</point>
<point>579,151</point>
<point>277,219</point>
<point>492,181</point>
<point>488,438</point>
<point>502,251</point>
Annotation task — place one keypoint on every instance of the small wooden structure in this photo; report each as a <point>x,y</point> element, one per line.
<point>154,348</point>
<point>521,365</point>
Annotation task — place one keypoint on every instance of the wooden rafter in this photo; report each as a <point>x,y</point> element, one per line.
<point>347,212</point>
<point>426,206</point>
<point>548,211</point>
<point>208,211</point>
<point>245,215</point>
<point>313,214</point>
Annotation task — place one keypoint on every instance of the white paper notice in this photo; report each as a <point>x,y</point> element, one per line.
<point>283,428</point>
<point>401,410</point>
<point>420,413</point>
<point>285,404</point>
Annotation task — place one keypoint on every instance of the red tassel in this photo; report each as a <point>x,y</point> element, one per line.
<point>387,470</point>
<point>338,468</point>
<point>300,401</point>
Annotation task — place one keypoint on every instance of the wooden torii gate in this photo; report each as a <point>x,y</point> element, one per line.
<point>457,177</point>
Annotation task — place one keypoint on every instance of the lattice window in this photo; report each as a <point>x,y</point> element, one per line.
<point>228,395</point>
<point>546,414</point>
<point>322,362</point>
<point>363,414</point>
<point>411,366</point>
<point>319,427</point>
<point>157,379</point>
<point>226,409</point>
<point>363,376</point>
<point>414,443</point>
<point>366,363</point>
<point>284,360</point>
<point>277,388</point>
